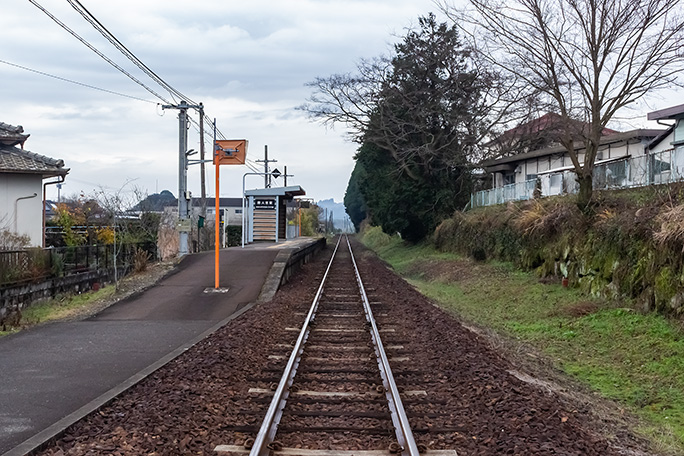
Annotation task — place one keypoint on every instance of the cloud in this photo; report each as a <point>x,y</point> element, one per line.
<point>246,61</point>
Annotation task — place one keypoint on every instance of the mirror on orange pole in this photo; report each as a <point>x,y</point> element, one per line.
<point>230,151</point>
<point>226,152</point>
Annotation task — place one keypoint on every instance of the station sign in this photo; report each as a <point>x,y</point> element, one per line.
<point>264,204</point>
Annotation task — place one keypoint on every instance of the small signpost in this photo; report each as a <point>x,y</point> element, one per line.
<point>226,152</point>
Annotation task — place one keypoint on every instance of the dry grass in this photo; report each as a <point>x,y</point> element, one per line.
<point>540,219</point>
<point>671,224</point>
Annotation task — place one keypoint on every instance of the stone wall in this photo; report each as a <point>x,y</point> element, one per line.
<point>16,298</point>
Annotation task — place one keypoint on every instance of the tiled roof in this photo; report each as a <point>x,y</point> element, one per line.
<point>550,123</point>
<point>11,135</point>
<point>15,160</point>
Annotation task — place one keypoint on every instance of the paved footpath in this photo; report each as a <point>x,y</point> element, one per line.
<point>50,372</point>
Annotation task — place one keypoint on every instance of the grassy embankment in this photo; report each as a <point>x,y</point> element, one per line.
<point>58,309</point>
<point>634,358</point>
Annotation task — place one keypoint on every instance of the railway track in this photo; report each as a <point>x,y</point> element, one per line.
<point>458,394</point>
<point>337,393</point>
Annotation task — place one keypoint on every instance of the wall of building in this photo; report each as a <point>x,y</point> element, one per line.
<point>527,169</point>
<point>21,215</point>
<point>234,214</point>
<point>663,145</point>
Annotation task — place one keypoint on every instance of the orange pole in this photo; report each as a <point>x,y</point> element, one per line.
<point>217,227</point>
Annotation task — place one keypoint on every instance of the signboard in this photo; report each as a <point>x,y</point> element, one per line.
<point>230,151</point>
<point>264,204</point>
<point>184,225</point>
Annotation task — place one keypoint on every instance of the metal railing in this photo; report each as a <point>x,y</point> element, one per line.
<point>32,265</point>
<point>659,168</point>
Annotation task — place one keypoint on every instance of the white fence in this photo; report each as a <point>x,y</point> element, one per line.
<point>661,168</point>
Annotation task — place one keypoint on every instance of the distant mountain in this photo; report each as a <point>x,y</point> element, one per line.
<point>156,202</point>
<point>337,209</point>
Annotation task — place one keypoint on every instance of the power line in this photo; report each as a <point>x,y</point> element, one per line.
<point>76,82</point>
<point>97,25</point>
<point>92,20</point>
<point>127,53</point>
<point>95,50</point>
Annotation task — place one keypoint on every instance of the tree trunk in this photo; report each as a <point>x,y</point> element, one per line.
<point>586,189</point>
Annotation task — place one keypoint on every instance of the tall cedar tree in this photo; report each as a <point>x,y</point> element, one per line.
<point>421,132</point>
<point>354,202</point>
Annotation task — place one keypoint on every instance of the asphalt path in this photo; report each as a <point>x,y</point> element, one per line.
<point>50,371</point>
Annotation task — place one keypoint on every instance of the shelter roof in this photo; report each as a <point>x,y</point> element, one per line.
<point>291,191</point>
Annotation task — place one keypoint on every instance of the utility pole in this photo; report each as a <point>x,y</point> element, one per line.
<point>203,197</point>
<point>267,174</point>
<point>285,178</point>
<point>183,195</point>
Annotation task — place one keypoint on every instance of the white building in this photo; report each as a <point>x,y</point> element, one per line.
<point>22,189</point>
<point>625,159</point>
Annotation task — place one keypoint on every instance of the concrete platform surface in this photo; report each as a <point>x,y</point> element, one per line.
<point>51,371</point>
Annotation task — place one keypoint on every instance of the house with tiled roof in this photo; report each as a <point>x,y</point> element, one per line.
<point>532,161</point>
<point>22,186</point>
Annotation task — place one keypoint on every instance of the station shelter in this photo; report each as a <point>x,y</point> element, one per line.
<point>267,212</point>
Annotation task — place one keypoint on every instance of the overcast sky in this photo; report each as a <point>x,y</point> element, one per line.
<point>248,62</point>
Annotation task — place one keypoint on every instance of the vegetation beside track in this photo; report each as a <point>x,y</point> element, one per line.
<point>83,305</point>
<point>621,353</point>
<point>60,308</point>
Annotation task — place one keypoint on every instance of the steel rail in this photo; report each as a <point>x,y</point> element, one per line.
<point>274,413</point>
<point>398,413</point>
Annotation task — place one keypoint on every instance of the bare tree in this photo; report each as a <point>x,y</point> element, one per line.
<point>128,226</point>
<point>432,88</point>
<point>590,58</point>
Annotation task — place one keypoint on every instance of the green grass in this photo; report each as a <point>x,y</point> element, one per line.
<point>59,308</point>
<point>636,359</point>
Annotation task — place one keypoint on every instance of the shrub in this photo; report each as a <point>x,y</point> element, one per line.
<point>374,237</point>
<point>140,259</point>
<point>233,235</point>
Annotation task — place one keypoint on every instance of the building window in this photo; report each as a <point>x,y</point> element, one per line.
<point>531,177</point>
<point>509,178</point>
<point>679,132</point>
<point>238,211</point>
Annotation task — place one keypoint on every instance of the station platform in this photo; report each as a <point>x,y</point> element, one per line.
<point>52,375</point>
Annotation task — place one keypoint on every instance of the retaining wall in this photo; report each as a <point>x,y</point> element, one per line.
<point>14,299</point>
<point>286,263</point>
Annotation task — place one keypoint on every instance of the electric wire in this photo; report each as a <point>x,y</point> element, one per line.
<point>97,25</point>
<point>133,58</point>
<point>124,50</point>
<point>76,82</point>
<point>92,20</point>
<point>95,50</point>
